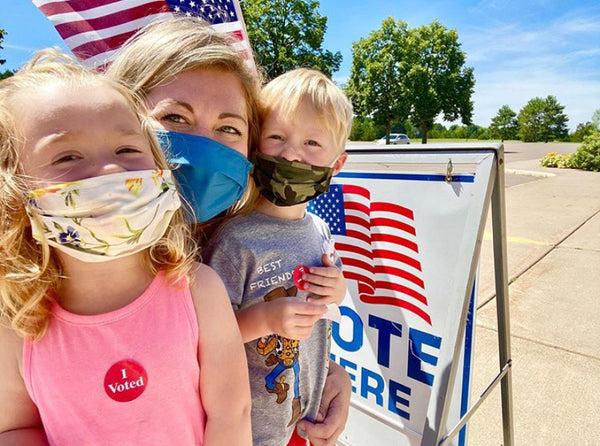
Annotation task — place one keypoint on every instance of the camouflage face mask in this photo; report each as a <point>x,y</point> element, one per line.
<point>286,183</point>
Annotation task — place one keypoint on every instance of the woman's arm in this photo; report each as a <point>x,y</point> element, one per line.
<point>333,412</point>
<point>20,422</point>
<point>224,383</point>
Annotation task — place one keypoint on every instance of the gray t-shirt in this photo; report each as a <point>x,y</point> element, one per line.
<point>255,255</point>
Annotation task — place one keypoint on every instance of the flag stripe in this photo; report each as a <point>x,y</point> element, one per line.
<point>95,11</point>
<point>361,279</point>
<point>387,238</point>
<point>100,34</point>
<point>355,249</point>
<point>358,190</point>
<point>392,271</point>
<point>391,255</point>
<point>401,289</point>
<point>72,28</point>
<point>53,7</point>
<point>357,220</point>
<point>358,263</point>
<point>380,221</point>
<point>355,206</point>
<point>390,207</point>
<point>358,235</point>
<point>91,49</point>
<point>397,303</point>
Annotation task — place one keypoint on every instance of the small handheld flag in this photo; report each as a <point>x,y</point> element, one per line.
<point>95,29</point>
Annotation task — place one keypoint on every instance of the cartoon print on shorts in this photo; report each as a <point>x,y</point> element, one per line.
<point>283,354</point>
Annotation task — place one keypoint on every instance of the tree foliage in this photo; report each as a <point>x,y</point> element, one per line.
<point>504,125</point>
<point>419,73</point>
<point>542,120</point>
<point>587,156</point>
<point>378,68</point>
<point>363,129</point>
<point>288,34</point>
<point>596,119</point>
<point>437,79</point>
<point>2,34</point>
<point>582,130</point>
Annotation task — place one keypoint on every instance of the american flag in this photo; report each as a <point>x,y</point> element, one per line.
<point>95,29</point>
<point>378,247</point>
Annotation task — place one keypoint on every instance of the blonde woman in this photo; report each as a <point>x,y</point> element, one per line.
<point>203,100</point>
<point>111,333</point>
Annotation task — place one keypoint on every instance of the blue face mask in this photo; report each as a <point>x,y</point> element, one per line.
<point>212,176</point>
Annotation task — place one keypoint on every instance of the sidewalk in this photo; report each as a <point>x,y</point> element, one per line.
<point>553,239</point>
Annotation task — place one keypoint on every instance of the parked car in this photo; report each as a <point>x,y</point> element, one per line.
<point>396,138</point>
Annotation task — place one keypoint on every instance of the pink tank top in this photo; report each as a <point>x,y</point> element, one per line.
<point>126,377</point>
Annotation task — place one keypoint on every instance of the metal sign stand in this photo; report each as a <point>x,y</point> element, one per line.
<point>440,434</point>
<point>504,377</point>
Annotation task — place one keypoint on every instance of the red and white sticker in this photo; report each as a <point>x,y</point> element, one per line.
<point>125,381</point>
<point>297,276</point>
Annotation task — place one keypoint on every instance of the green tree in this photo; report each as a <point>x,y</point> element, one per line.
<point>555,120</point>
<point>438,131</point>
<point>376,85</point>
<point>531,119</point>
<point>596,119</point>
<point>2,34</point>
<point>437,79</point>
<point>457,131</point>
<point>6,73</point>
<point>542,120</point>
<point>582,130</point>
<point>504,125</point>
<point>288,34</point>
<point>363,129</point>
<point>587,156</point>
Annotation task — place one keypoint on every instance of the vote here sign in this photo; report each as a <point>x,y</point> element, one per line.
<point>407,227</point>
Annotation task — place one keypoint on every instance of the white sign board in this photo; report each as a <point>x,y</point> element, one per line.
<point>408,239</point>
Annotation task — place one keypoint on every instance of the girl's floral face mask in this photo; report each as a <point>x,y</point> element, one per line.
<point>106,217</point>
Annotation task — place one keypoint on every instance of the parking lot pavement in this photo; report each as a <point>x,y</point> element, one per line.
<point>553,227</point>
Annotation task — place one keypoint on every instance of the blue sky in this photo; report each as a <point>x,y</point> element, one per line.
<point>518,49</point>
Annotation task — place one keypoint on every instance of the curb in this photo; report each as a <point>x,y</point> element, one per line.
<point>530,173</point>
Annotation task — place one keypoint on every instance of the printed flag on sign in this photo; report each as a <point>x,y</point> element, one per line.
<point>378,247</point>
<point>95,29</point>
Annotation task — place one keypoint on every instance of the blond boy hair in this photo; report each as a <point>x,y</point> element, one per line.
<point>286,92</point>
<point>29,269</point>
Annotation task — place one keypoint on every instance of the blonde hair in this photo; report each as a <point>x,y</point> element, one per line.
<point>287,91</point>
<point>29,269</point>
<point>170,46</point>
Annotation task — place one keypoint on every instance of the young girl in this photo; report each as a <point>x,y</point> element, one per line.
<point>112,334</point>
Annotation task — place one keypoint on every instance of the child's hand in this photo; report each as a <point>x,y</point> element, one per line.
<point>292,318</point>
<point>326,282</point>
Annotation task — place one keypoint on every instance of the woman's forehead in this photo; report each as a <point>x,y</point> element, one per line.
<point>200,87</point>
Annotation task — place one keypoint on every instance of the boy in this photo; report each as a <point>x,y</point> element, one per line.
<point>270,259</point>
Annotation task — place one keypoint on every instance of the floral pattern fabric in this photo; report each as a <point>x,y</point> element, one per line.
<point>104,217</point>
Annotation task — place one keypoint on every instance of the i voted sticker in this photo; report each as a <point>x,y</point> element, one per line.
<point>125,381</point>
<point>297,276</point>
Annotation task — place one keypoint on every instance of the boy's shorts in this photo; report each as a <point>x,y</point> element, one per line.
<point>297,440</point>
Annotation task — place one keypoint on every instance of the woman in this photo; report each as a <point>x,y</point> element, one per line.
<point>199,90</point>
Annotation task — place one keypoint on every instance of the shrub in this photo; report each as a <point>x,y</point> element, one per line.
<point>587,156</point>
<point>554,159</point>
